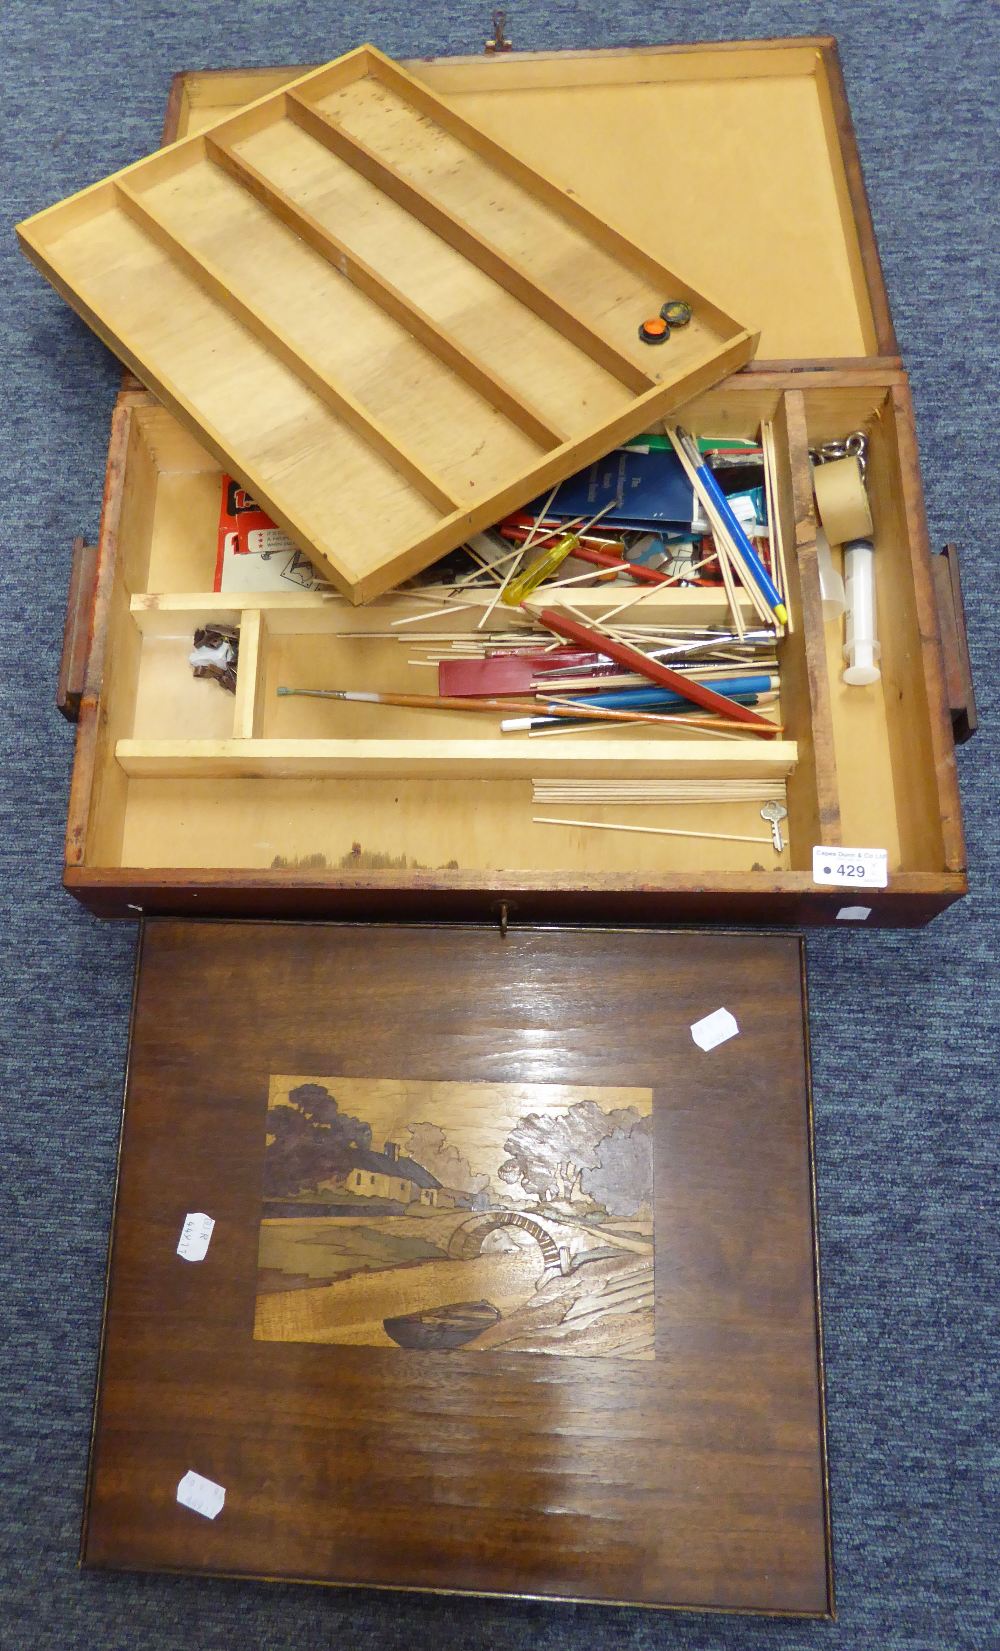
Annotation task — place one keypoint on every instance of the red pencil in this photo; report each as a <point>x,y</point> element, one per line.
<point>633,660</point>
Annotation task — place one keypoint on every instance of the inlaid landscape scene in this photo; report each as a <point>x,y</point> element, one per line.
<point>438,1217</point>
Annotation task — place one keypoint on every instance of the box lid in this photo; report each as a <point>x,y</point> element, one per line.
<point>389,327</point>
<point>742,151</point>
<point>499,1283</point>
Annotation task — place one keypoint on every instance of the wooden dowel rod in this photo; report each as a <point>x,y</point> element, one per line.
<point>512,275</point>
<point>221,287</point>
<point>649,831</point>
<point>436,338</point>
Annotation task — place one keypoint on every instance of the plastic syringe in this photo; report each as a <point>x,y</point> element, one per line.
<point>861,645</point>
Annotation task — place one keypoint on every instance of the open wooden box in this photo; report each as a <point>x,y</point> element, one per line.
<point>185,802</point>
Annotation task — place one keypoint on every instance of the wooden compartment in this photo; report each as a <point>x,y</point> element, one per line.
<point>184,794</point>
<point>425,333</point>
<point>873,767</point>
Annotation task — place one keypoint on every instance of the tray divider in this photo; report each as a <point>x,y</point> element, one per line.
<point>220,287</point>
<point>248,716</point>
<point>455,759</point>
<point>510,273</point>
<point>806,711</point>
<point>496,390</point>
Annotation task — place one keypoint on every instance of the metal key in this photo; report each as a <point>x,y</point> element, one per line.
<point>774,813</point>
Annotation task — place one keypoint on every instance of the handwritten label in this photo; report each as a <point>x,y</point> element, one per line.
<point>853,914</point>
<point>196,1235</point>
<point>714,1029</point>
<point>851,868</point>
<point>202,1495</point>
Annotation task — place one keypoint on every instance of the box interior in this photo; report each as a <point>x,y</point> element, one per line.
<point>282,801</point>
<point>743,175</point>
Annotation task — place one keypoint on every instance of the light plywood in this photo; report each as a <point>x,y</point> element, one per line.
<point>787,251</point>
<point>389,328</point>
<point>380,826</point>
<point>584,758</point>
<point>879,773</point>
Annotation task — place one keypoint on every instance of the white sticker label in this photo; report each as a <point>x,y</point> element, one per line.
<point>716,1028</point>
<point>851,868</point>
<point>196,1235</point>
<point>853,914</point>
<point>268,541</point>
<point>204,1496</point>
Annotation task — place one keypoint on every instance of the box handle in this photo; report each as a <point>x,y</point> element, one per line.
<point>955,642</point>
<point>76,636</point>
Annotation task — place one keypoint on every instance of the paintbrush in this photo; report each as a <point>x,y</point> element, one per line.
<point>533,707</point>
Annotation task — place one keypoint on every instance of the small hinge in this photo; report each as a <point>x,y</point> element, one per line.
<point>499,42</point>
<point>76,635</point>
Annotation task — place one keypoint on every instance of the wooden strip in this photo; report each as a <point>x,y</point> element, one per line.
<point>494,759</point>
<point>858,222</point>
<point>901,436</point>
<point>272,336</point>
<point>814,793</point>
<point>496,390</point>
<point>162,612</point>
<point>249,713</point>
<point>508,272</point>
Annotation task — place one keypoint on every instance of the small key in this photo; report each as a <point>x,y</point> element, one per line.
<point>774,813</point>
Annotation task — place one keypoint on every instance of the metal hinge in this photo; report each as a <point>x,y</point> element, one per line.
<point>499,42</point>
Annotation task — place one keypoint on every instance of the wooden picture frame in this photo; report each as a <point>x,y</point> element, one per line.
<point>696,1477</point>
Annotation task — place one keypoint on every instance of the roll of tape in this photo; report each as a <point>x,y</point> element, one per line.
<point>842,500</point>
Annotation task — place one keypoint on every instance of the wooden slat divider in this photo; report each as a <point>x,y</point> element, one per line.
<point>425,329</point>
<point>507,271</point>
<point>814,797</point>
<point>248,715</point>
<point>443,758</point>
<point>220,286</point>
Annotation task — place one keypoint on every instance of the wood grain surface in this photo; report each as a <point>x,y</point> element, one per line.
<point>696,1478</point>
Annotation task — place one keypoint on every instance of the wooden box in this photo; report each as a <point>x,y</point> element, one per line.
<point>184,802</point>
<point>589,1370</point>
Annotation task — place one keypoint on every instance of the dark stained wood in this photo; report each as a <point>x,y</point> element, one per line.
<point>788,897</point>
<point>928,618</point>
<point>76,631</point>
<point>89,707</point>
<point>695,1479</point>
<point>955,645</point>
<point>871,260</point>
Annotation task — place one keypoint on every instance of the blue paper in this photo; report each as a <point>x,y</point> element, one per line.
<point>652,489</point>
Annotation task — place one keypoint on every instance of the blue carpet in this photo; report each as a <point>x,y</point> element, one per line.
<point>904,1026</point>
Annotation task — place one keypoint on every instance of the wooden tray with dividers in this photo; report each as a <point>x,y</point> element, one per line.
<point>425,333</point>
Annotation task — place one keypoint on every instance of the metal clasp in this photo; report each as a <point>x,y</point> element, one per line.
<point>499,43</point>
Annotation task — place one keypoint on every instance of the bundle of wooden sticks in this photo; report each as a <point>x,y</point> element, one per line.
<point>546,648</point>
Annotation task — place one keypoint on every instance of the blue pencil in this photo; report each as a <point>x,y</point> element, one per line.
<point>553,715</point>
<point>734,526</point>
<point>624,699</point>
